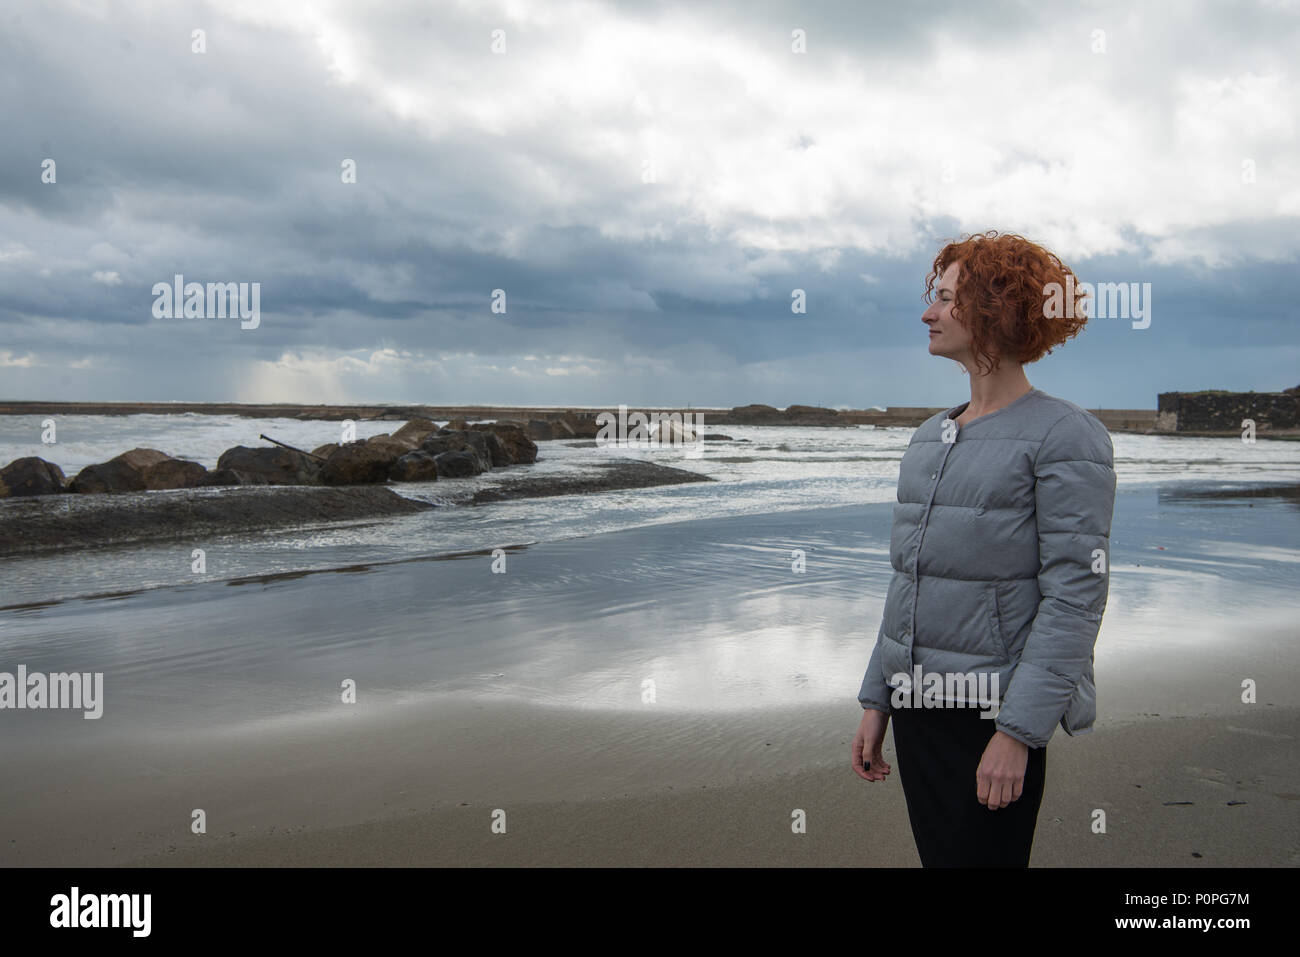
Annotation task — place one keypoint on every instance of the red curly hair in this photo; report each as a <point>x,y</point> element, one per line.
<point>1002,288</point>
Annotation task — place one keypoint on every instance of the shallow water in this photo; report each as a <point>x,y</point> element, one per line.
<point>689,587</point>
<point>767,469</point>
<point>710,611</point>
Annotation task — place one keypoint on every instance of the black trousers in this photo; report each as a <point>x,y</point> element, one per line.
<point>938,751</point>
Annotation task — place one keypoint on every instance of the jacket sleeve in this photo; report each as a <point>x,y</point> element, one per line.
<point>1074,499</point>
<point>874,693</point>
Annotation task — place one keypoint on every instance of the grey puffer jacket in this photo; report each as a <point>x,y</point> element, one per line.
<point>1001,556</point>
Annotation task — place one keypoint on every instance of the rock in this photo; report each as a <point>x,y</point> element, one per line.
<point>457,425</point>
<point>174,473</point>
<point>415,431</point>
<point>323,451</point>
<point>359,463</point>
<point>794,415</point>
<point>414,467</point>
<point>671,432</point>
<point>474,442</point>
<point>813,415</point>
<point>582,426</point>
<point>562,430</point>
<point>618,474</point>
<point>391,442</point>
<point>485,442</point>
<point>185,516</point>
<point>718,437</point>
<point>231,477</point>
<point>460,464</point>
<point>125,473</point>
<point>142,459</point>
<point>278,466</point>
<point>540,430</point>
<point>31,476</point>
<point>754,414</point>
<point>497,453</point>
<point>481,444</point>
<point>519,448</point>
<point>102,478</point>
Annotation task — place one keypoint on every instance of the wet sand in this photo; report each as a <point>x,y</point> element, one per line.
<point>1176,793</point>
<point>420,787</point>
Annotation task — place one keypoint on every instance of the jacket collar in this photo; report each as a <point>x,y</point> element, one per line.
<point>957,410</point>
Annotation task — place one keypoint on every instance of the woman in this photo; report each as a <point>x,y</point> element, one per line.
<point>1000,550</point>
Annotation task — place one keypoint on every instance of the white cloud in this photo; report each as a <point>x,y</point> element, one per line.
<point>338,377</point>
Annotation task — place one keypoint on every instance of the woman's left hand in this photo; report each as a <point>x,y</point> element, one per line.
<point>1000,777</point>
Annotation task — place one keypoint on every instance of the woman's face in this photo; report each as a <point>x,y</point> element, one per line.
<point>948,337</point>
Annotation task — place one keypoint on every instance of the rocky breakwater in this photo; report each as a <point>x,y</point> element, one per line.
<point>422,452</point>
<point>570,425</point>
<point>807,415</point>
<point>144,494</point>
<point>105,503</point>
<point>574,425</point>
<point>418,452</point>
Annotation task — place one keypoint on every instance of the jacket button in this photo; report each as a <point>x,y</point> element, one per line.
<point>934,475</point>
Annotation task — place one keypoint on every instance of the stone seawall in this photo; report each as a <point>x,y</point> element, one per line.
<point>1218,411</point>
<point>1117,420</point>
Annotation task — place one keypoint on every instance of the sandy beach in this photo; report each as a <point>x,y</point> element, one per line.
<point>612,790</point>
<point>525,693</point>
<point>420,787</point>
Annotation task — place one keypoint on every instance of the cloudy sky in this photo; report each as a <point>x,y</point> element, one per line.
<point>646,183</point>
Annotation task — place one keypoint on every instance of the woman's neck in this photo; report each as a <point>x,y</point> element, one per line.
<point>991,392</point>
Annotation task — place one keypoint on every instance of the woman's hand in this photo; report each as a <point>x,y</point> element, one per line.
<point>866,746</point>
<point>1000,778</point>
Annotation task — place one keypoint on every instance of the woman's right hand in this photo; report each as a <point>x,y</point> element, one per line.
<point>867,743</point>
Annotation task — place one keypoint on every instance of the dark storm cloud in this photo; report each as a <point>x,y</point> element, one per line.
<point>524,172</point>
